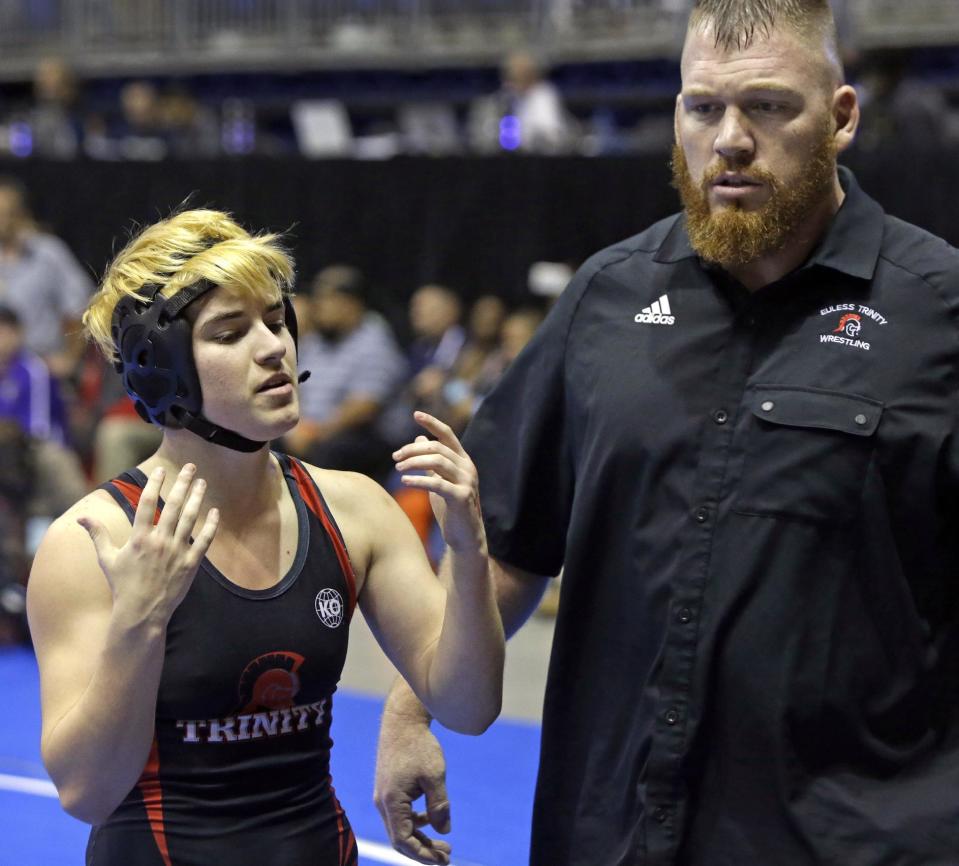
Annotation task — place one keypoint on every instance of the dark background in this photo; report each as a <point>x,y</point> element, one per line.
<point>476,224</point>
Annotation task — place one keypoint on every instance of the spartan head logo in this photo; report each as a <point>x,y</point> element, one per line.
<point>270,681</point>
<point>851,323</point>
<point>329,607</point>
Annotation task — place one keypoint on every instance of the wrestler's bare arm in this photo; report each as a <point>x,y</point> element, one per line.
<point>410,762</point>
<point>100,595</point>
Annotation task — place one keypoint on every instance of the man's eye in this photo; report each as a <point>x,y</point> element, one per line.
<point>276,327</point>
<point>226,337</point>
<point>704,109</point>
<point>768,107</point>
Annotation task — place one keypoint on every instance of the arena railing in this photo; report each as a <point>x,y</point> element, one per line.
<point>142,36</point>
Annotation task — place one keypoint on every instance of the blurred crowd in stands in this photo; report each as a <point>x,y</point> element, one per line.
<point>66,425</point>
<point>524,107</point>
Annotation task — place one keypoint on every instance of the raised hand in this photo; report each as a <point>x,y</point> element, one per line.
<point>150,575</point>
<point>451,480</point>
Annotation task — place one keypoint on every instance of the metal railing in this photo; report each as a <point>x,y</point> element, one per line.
<point>117,36</point>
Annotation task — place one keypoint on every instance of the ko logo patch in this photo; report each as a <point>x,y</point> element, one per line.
<point>329,607</point>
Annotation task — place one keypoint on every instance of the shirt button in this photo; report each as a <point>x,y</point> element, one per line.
<point>720,416</point>
<point>767,406</point>
<point>660,814</point>
<point>702,515</point>
<point>684,615</point>
<point>860,420</point>
<point>671,716</point>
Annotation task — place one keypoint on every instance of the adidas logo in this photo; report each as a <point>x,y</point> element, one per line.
<point>658,313</point>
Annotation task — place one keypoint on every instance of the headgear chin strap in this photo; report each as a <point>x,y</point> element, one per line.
<point>155,360</point>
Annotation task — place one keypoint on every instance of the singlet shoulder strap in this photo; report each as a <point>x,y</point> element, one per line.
<point>126,489</point>
<point>310,493</point>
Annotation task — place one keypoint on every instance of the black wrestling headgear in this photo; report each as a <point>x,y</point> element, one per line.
<point>154,349</point>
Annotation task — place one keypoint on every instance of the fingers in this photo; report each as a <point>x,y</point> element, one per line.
<point>178,496</point>
<point>439,459</point>
<point>443,432</point>
<point>149,499</point>
<point>402,825</point>
<point>202,542</point>
<point>190,512</point>
<point>419,847</point>
<point>437,804</point>
<point>435,484</point>
<point>99,535</point>
<point>436,463</point>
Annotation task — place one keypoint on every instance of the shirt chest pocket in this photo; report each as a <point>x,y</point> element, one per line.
<point>807,452</point>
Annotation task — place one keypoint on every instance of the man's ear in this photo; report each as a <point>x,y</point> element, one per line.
<point>845,112</point>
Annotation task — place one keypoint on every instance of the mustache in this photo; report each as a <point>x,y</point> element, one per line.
<point>755,173</point>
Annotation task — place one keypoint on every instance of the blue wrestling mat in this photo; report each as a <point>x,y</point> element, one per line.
<point>490,782</point>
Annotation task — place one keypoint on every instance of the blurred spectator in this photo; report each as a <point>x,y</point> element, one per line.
<point>482,335</point>
<point>527,114</point>
<point>357,369</point>
<point>141,132</point>
<point>435,312</point>
<point>900,108</point>
<point>191,130</point>
<point>30,397</point>
<point>28,393</point>
<point>138,134</point>
<point>482,340</point>
<point>112,437</point>
<point>515,332</point>
<point>55,122</point>
<point>41,281</point>
<point>459,397</point>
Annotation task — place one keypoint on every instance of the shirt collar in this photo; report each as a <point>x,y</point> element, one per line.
<point>851,243</point>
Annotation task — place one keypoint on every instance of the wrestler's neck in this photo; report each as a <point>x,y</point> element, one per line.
<point>773,266</point>
<point>242,485</point>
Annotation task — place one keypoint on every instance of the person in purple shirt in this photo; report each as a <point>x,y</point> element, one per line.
<point>30,398</point>
<point>41,281</point>
<point>29,395</point>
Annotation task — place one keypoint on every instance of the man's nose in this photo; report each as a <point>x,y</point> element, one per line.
<point>734,138</point>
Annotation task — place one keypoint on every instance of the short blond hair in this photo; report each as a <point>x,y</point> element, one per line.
<point>181,250</point>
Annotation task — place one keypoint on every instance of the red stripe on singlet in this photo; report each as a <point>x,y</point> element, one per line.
<point>308,491</point>
<point>149,783</point>
<point>152,794</point>
<point>132,494</point>
<point>344,834</point>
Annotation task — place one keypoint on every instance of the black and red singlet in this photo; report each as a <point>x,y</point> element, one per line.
<point>239,771</point>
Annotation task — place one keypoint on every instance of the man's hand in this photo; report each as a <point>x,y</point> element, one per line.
<point>410,764</point>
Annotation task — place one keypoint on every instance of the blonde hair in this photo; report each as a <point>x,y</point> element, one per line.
<point>179,251</point>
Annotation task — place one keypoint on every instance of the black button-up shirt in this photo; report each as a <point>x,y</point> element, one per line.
<point>755,498</point>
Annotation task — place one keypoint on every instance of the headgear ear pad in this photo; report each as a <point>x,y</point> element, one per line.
<point>154,345</point>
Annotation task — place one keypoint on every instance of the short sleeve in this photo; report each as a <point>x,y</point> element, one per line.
<point>519,441</point>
